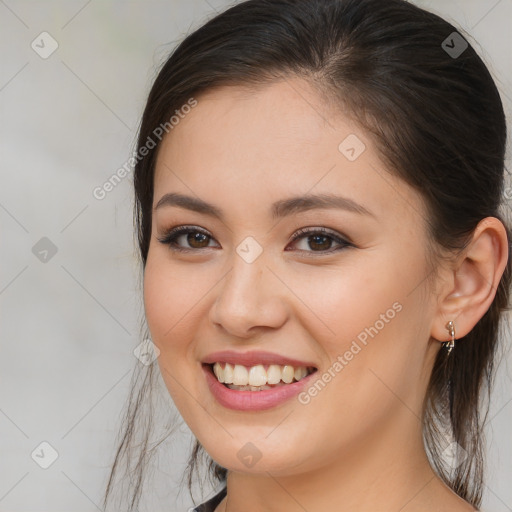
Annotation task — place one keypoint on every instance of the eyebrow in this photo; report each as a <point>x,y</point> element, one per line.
<point>279,209</point>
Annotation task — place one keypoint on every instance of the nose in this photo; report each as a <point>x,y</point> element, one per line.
<point>250,300</point>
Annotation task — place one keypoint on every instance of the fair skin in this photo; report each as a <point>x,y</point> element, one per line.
<point>357,444</point>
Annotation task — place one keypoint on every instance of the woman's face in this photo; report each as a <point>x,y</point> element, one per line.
<point>350,302</point>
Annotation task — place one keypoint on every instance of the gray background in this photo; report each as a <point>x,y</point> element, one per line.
<point>69,325</point>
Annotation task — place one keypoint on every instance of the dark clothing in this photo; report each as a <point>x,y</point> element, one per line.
<point>209,506</point>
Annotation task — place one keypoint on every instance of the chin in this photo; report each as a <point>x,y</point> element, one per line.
<point>257,455</point>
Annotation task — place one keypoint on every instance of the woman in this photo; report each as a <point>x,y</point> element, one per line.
<point>318,204</point>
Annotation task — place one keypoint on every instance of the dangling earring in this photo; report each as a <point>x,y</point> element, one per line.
<point>450,344</point>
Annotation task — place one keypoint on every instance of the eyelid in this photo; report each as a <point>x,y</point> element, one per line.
<point>311,230</point>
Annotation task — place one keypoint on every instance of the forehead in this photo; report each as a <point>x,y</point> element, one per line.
<point>280,139</point>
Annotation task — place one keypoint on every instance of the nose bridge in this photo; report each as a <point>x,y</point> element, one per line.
<point>247,297</point>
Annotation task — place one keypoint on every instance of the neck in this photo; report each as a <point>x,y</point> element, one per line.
<point>387,471</point>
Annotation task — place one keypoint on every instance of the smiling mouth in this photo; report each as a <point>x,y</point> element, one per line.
<point>259,377</point>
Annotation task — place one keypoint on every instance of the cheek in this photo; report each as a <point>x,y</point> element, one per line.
<point>160,302</point>
<point>173,301</point>
<point>177,299</point>
<point>371,328</point>
<point>358,301</point>
<point>171,306</point>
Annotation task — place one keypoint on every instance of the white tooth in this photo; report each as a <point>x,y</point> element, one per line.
<point>287,374</point>
<point>240,375</point>
<point>273,374</point>
<point>257,375</point>
<point>219,372</point>
<point>298,374</point>
<point>256,378</point>
<point>228,373</point>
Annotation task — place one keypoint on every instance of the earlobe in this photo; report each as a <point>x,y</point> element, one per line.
<point>475,280</point>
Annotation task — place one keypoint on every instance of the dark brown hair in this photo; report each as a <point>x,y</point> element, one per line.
<point>438,123</point>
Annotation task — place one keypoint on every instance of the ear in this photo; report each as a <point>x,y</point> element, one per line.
<point>471,284</point>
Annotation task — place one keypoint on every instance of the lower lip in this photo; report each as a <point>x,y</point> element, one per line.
<point>252,400</point>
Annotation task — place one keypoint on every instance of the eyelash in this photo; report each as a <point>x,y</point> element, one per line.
<point>170,237</point>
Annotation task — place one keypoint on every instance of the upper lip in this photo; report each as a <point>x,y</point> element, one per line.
<point>253,358</point>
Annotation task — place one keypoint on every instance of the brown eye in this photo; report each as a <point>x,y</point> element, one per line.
<point>197,240</point>
<point>319,240</point>
<point>186,238</point>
